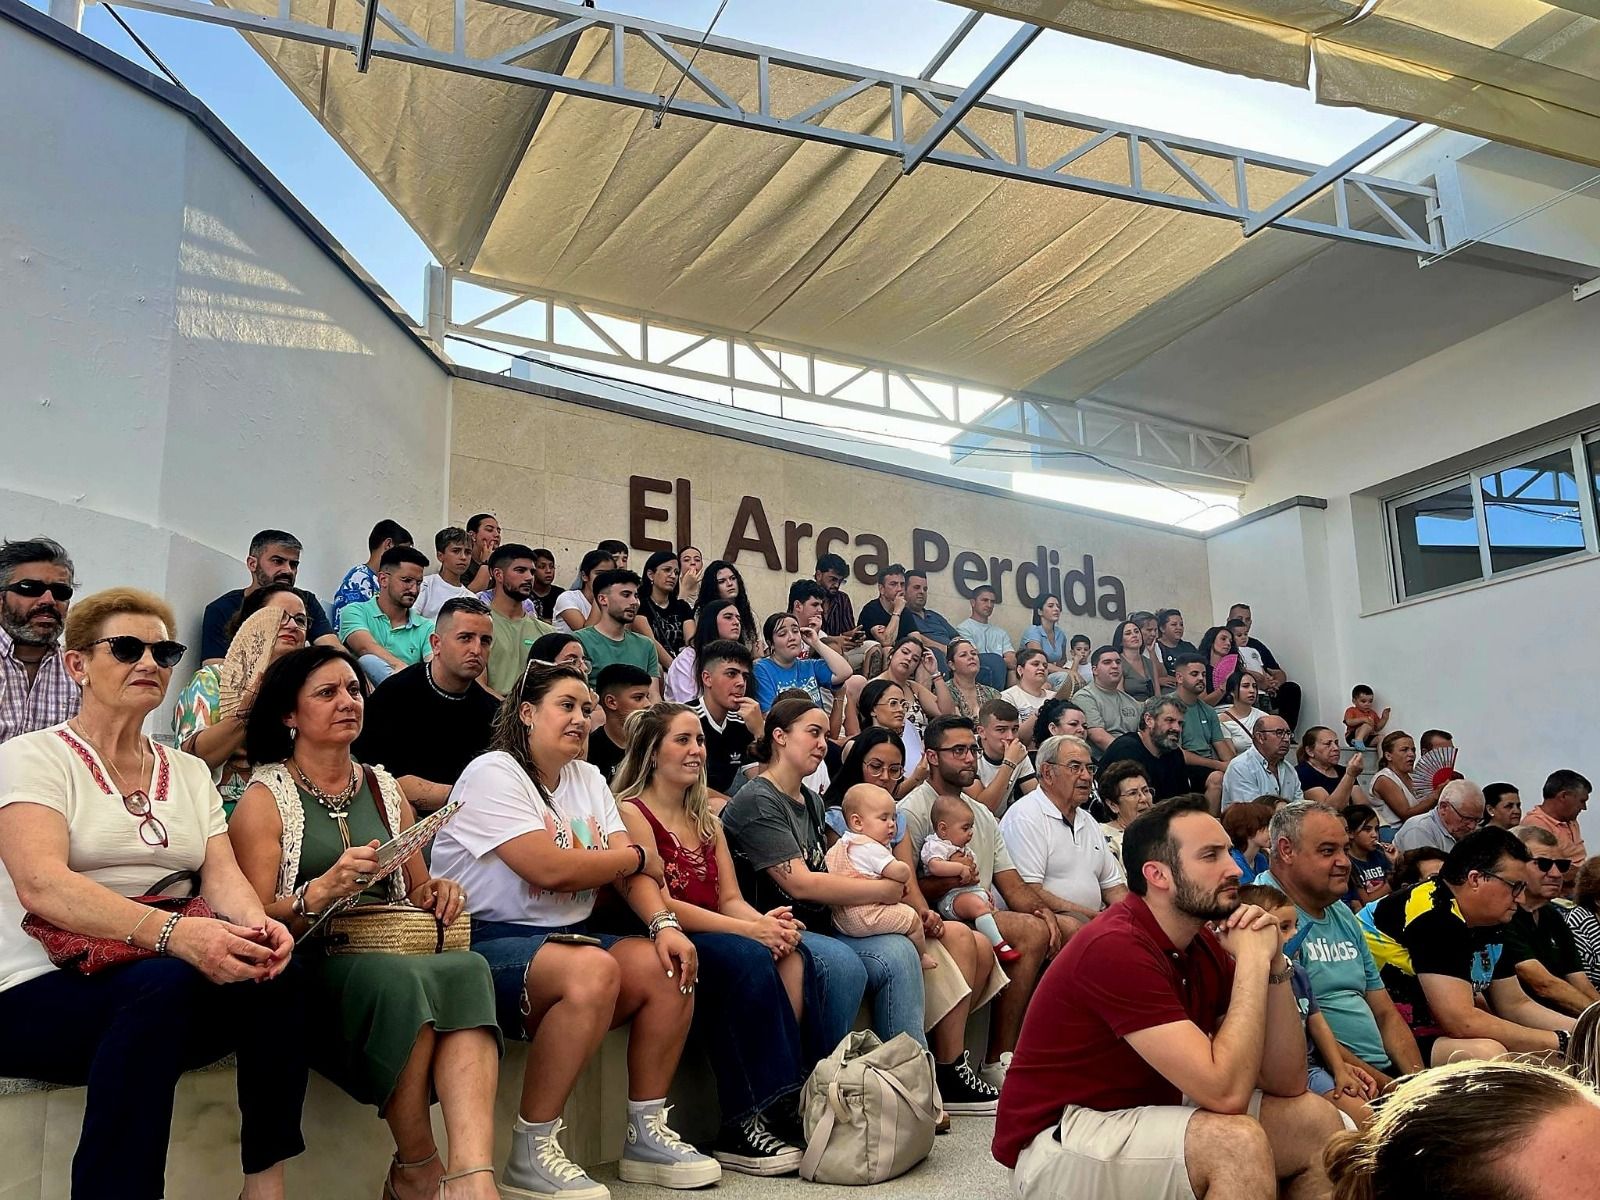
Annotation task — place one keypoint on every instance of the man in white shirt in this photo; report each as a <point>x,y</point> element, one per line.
<point>1262,770</point>
<point>1056,845</point>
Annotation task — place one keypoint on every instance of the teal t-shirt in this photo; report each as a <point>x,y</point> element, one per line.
<point>634,649</point>
<point>1202,730</point>
<point>1333,950</point>
<point>409,643</point>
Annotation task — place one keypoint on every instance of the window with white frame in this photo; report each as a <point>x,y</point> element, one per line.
<point>1529,508</point>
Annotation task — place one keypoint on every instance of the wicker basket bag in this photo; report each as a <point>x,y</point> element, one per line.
<point>395,929</point>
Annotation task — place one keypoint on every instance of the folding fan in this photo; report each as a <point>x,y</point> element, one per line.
<point>247,656</point>
<point>1434,769</point>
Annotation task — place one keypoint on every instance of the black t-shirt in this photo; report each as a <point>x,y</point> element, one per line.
<point>1167,775</point>
<point>1422,923</point>
<point>214,626</point>
<point>725,747</point>
<point>604,753</point>
<point>765,828</point>
<point>1544,937</point>
<point>873,614</point>
<point>666,624</point>
<point>411,728</point>
<point>1169,654</point>
<point>545,606</point>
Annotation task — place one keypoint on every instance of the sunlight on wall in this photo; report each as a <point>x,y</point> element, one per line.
<point>1188,507</point>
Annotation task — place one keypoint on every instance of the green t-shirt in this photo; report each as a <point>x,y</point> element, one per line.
<point>634,649</point>
<point>1202,729</point>
<point>409,643</point>
<point>508,653</point>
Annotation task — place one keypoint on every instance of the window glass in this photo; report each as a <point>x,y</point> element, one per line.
<point>1532,511</point>
<point>1438,540</point>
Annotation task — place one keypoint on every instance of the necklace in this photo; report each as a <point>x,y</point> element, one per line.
<point>116,775</point>
<point>338,806</point>
<point>427,673</point>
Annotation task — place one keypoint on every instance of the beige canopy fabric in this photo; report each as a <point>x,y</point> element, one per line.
<point>1524,72</point>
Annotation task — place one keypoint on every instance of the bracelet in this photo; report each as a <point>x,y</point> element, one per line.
<point>1276,977</point>
<point>1563,1039</point>
<point>638,870</point>
<point>298,905</point>
<point>148,913</point>
<point>165,935</point>
<point>663,920</point>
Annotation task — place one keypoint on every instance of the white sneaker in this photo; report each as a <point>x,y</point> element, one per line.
<point>994,1074</point>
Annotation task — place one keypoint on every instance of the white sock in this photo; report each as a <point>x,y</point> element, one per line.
<point>539,1127</point>
<point>986,925</point>
<point>638,1108</point>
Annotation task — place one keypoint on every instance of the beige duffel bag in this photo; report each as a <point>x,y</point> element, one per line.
<point>868,1110</point>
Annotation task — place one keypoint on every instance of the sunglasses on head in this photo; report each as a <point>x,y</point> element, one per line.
<point>1561,864</point>
<point>34,588</point>
<point>129,649</point>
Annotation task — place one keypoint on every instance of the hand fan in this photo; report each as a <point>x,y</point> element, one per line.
<point>247,656</point>
<point>1436,767</point>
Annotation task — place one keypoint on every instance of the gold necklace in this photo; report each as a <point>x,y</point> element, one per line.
<point>117,776</point>
<point>338,806</point>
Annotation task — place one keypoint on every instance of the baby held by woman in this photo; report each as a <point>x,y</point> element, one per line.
<point>864,853</point>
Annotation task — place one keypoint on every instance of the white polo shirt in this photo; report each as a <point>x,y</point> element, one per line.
<point>1072,861</point>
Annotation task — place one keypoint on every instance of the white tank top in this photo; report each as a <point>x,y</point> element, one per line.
<point>1386,815</point>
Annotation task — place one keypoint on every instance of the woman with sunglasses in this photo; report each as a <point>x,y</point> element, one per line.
<point>130,813</point>
<point>197,717</point>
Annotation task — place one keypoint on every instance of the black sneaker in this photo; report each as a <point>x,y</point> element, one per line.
<point>963,1090</point>
<point>782,1119</point>
<point>751,1149</point>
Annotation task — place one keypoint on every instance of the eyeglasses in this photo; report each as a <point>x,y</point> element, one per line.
<point>970,750</point>
<point>1074,766</point>
<point>151,831</point>
<point>129,649</point>
<point>34,588</point>
<point>1143,793</point>
<point>1273,732</point>
<point>299,619</point>
<point>900,704</point>
<point>1544,864</point>
<point>1517,886</point>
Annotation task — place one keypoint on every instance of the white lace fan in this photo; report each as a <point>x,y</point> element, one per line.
<point>247,655</point>
<point>1433,769</point>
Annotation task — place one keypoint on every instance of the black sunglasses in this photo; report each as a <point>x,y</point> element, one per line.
<point>34,588</point>
<point>1544,864</point>
<point>129,649</point>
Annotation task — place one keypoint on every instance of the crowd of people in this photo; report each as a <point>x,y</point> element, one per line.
<point>1207,954</point>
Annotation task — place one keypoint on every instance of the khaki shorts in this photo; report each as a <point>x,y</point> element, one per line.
<point>1129,1154</point>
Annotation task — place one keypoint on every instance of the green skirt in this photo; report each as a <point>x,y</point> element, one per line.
<point>375,1005</point>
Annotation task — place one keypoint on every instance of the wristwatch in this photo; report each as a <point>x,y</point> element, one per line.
<point>1276,977</point>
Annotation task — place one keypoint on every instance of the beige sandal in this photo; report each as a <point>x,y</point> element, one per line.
<point>388,1182</point>
<point>462,1175</point>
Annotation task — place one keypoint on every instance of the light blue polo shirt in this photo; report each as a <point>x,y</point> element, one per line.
<point>408,643</point>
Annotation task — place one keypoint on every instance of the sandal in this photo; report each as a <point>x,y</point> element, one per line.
<point>388,1182</point>
<point>463,1175</point>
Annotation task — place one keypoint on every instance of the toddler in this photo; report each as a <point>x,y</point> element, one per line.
<point>1362,722</point>
<point>863,853</point>
<point>944,853</point>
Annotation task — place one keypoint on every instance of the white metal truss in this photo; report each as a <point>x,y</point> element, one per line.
<point>1367,209</point>
<point>970,416</point>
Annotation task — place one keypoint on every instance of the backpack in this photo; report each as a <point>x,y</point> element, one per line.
<point>868,1110</point>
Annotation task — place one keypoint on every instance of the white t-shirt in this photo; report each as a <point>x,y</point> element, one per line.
<point>1026,704</point>
<point>572,600</point>
<point>1073,861</point>
<point>103,836</point>
<point>988,770</point>
<point>499,803</point>
<point>936,849</point>
<point>435,591</point>
<point>1241,732</point>
<point>867,856</point>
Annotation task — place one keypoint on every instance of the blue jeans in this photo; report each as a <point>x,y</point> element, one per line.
<point>743,1019</point>
<point>377,669</point>
<point>887,967</point>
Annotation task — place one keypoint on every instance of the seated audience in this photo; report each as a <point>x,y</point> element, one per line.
<point>384,633</point>
<point>968,693</point>
<point>1157,748</point>
<point>1206,749</point>
<point>360,582</point>
<point>1440,946</point>
<point>1047,635</point>
<point>944,853</point>
<point>1538,942</point>
<point>751,1001</point>
<point>623,690</point>
<point>1125,791</point>
<point>1169,638</point>
<point>1246,826</point>
<point>1414,867</point>
<point>886,619</point>
<point>1362,721</point>
<point>1029,924</point>
<point>910,667</point>
<point>561,649</point>
<point>1056,845</point>
<point>1310,864</point>
<point>425,724</point>
<point>723,582</point>
<point>1108,710</point>
<point>36,586</point>
<point>729,716</point>
<point>1473,1131</point>
<point>1565,796</point>
<point>1240,714</point>
<point>838,615</point>
<point>391,1030</point>
<point>808,603</point>
<point>1028,694</point>
<point>202,728</point>
<point>1138,680</point>
<point>1283,695</point>
<point>1321,777</point>
<point>544,593</point>
<point>608,638</point>
<point>1502,805</point>
<point>691,574</point>
<point>1005,769</point>
<point>1079,672</point>
<point>1329,1073</point>
<point>485,531</point>
<point>537,834</point>
<point>1583,918</point>
<point>933,630</point>
<point>515,630</point>
<point>92,812</point>
<point>864,851</point>
<point>662,614</point>
<point>1149,635</point>
<point>882,704</point>
<point>1264,769</point>
<point>1058,716</point>
<point>784,668</point>
<point>1392,795</point>
<point>1458,813</point>
<point>274,558</point>
<point>718,621</point>
<point>573,607</point>
<point>1217,656</point>
<point>453,548</point>
<point>1371,859</point>
<point>996,654</point>
<point>1433,739</point>
<point>1160,1058</point>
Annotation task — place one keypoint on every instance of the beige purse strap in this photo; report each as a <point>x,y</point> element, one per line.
<point>818,1144</point>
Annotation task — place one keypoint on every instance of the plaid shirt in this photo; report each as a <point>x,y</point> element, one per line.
<point>51,700</point>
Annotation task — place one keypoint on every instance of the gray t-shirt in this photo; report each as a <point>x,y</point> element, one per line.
<point>765,828</point>
<point>1115,712</point>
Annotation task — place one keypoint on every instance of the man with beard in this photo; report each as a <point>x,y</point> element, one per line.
<point>274,558</point>
<point>385,633</point>
<point>1164,1055</point>
<point>1157,747</point>
<point>610,639</point>
<point>950,750</point>
<point>1308,848</point>
<point>515,631</point>
<point>35,587</point>
<point>426,723</point>
<point>1264,769</point>
<point>1538,942</point>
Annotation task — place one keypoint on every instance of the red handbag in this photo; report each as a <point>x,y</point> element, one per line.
<point>90,955</point>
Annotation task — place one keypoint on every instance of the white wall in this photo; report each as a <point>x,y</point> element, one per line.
<point>1510,666</point>
<point>182,364</point>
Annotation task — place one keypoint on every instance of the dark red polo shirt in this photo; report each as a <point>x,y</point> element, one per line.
<point>1119,975</point>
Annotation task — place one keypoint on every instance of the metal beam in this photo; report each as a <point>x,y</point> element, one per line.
<point>1330,174</point>
<point>863,391</point>
<point>667,44</point>
<point>975,91</point>
<point>951,43</point>
<point>369,22</point>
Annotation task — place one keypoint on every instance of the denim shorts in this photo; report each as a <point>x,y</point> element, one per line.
<point>948,900</point>
<point>509,948</point>
<point>1318,1081</point>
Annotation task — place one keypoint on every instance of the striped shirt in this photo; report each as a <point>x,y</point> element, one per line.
<point>50,701</point>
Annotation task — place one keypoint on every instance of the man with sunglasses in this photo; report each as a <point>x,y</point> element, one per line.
<point>1440,946</point>
<point>1458,813</point>
<point>1538,942</point>
<point>274,558</point>
<point>36,586</point>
